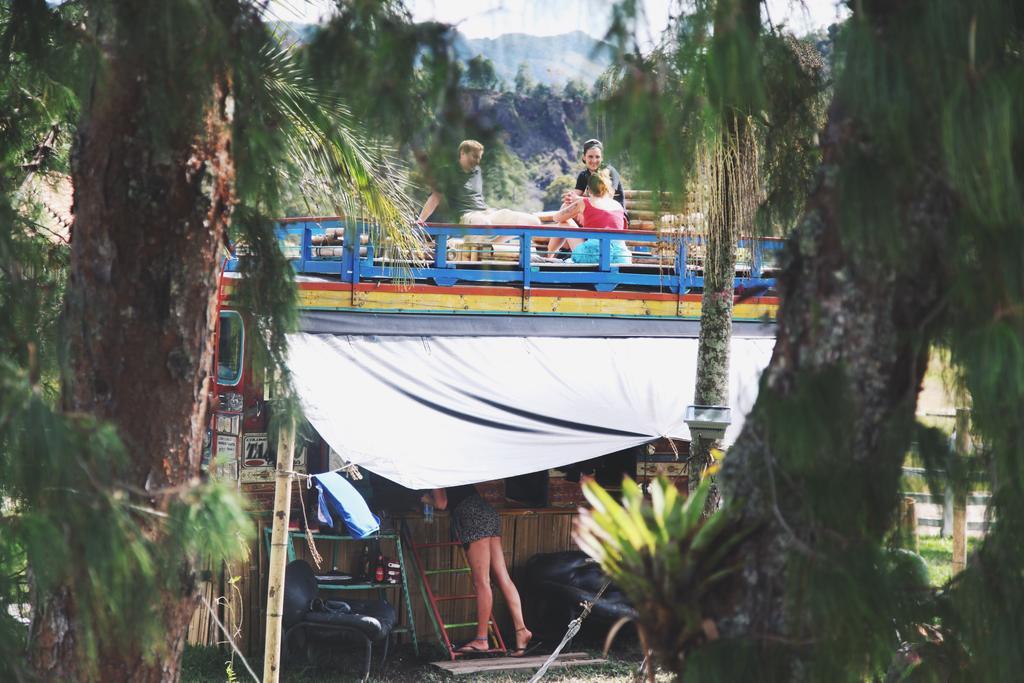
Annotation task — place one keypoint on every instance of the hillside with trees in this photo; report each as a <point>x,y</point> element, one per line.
<point>539,132</point>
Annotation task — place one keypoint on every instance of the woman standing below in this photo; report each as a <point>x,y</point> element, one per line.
<point>598,210</point>
<point>478,527</point>
<point>593,155</point>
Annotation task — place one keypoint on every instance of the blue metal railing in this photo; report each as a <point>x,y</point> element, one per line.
<point>355,262</point>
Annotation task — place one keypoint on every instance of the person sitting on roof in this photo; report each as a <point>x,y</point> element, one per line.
<point>593,155</point>
<point>461,195</point>
<point>596,210</point>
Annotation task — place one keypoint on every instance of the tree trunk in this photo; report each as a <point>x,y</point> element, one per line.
<point>153,192</point>
<point>712,387</point>
<point>850,354</point>
<point>729,199</point>
<point>712,381</point>
<point>730,178</point>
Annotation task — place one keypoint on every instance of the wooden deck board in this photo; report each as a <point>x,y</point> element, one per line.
<point>463,667</point>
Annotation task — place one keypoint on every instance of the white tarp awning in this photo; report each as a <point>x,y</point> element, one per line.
<point>440,411</point>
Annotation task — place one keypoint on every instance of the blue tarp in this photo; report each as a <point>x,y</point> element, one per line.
<point>338,496</point>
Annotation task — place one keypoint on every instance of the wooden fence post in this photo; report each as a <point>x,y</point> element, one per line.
<point>963,436</point>
<point>278,552</point>
<point>947,511</point>
<point>908,524</point>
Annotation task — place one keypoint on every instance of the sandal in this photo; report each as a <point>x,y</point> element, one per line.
<point>526,649</point>
<point>467,647</point>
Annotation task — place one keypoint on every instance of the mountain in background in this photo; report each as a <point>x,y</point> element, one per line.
<point>292,32</point>
<point>551,60</point>
<point>541,128</point>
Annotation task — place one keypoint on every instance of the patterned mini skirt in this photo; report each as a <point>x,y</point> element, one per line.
<point>473,519</point>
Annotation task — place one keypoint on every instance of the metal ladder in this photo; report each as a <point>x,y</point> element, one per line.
<point>495,643</point>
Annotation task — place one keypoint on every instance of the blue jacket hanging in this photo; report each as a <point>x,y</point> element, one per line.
<point>337,495</point>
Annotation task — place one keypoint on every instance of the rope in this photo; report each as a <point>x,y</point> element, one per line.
<point>350,470</point>
<point>293,477</point>
<point>231,640</point>
<point>313,552</point>
<point>574,628</point>
<point>640,671</point>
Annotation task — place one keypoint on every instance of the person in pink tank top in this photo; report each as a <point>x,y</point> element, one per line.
<point>599,210</point>
<point>595,217</point>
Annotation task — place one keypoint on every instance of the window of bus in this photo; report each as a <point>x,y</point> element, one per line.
<point>229,349</point>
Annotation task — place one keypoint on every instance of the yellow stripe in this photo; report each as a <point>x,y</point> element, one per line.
<point>513,303</point>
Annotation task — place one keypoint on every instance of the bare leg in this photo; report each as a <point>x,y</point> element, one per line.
<point>511,217</point>
<point>508,589</point>
<point>479,554</point>
<point>556,243</point>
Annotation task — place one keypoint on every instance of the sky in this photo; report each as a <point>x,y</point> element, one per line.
<point>491,18</point>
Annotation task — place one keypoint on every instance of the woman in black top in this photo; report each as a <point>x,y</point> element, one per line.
<point>477,525</point>
<point>593,155</point>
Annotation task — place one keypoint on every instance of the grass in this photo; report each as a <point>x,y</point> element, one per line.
<point>208,665</point>
<point>938,554</point>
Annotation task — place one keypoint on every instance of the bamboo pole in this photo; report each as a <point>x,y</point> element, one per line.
<point>960,497</point>
<point>278,552</point>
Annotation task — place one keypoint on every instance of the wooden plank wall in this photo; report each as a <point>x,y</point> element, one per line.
<point>253,589</point>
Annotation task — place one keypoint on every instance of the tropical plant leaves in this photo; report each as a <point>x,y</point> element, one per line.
<point>662,553</point>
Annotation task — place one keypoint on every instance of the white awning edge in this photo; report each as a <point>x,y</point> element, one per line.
<point>441,411</point>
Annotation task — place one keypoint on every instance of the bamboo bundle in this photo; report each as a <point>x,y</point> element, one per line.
<point>662,252</point>
<point>334,252</point>
<point>335,236</point>
<point>646,194</point>
<point>468,252</point>
<point>633,205</point>
<point>677,231</point>
<point>505,251</point>
<point>648,209</point>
